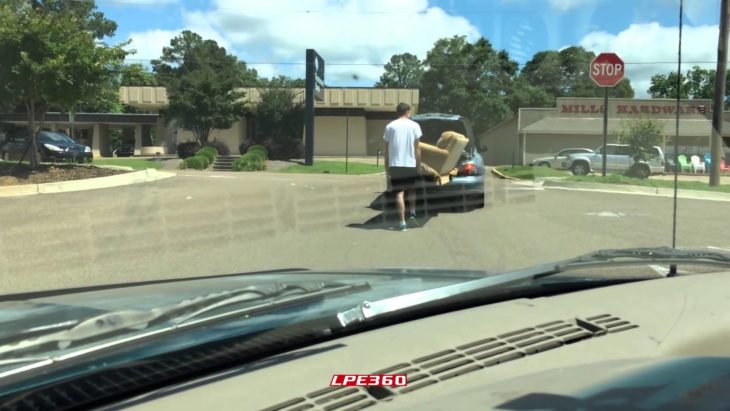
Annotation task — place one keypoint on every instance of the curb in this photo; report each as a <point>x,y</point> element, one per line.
<point>502,176</point>
<point>639,190</point>
<point>143,176</point>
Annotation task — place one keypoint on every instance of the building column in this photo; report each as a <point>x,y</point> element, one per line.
<point>100,144</point>
<point>137,139</point>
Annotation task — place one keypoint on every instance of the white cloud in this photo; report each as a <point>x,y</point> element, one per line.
<point>560,5</point>
<point>355,37</point>
<point>149,44</point>
<point>565,5</point>
<point>649,49</point>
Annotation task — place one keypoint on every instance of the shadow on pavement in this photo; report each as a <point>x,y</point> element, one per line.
<point>388,218</point>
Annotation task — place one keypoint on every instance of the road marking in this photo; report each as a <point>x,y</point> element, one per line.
<point>607,214</point>
<point>214,176</point>
<point>682,196</point>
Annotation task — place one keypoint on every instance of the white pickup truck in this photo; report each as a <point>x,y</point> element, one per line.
<point>618,160</point>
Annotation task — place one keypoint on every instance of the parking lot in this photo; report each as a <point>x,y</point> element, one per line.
<point>213,223</point>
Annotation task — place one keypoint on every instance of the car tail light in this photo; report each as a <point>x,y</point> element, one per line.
<point>468,169</point>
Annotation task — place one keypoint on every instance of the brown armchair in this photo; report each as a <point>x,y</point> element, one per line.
<point>440,160</point>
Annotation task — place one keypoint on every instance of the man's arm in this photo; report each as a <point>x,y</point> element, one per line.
<point>385,156</point>
<point>417,150</point>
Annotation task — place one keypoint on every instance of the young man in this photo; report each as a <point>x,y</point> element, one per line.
<point>402,160</point>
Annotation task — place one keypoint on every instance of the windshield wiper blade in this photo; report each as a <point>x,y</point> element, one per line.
<point>274,296</point>
<point>598,259</point>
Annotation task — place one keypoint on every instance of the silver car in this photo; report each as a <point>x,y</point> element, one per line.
<point>557,160</point>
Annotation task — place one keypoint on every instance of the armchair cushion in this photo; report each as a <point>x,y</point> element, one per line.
<point>444,156</point>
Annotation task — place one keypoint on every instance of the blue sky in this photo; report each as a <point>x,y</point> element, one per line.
<point>356,37</point>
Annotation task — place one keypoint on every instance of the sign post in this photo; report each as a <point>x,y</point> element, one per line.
<point>314,90</point>
<point>606,70</point>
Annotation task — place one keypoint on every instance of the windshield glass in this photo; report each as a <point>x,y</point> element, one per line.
<point>435,138</point>
<point>56,138</point>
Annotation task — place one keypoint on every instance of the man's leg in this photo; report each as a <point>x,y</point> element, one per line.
<point>412,200</point>
<point>399,200</point>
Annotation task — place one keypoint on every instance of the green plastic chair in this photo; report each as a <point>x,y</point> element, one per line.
<point>683,163</point>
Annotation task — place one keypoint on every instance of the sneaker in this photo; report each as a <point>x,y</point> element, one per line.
<point>403,227</point>
<point>413,221</point>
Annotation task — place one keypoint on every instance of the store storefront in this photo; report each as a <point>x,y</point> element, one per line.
<point>578,123</point>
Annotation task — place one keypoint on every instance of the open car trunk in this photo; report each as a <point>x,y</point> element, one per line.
<point>433,129</point>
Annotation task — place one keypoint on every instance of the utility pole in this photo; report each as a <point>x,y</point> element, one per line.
<point>719,103</point>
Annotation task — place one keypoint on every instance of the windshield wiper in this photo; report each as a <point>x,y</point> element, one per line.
<point>598,259</point>
<point>269,296</point>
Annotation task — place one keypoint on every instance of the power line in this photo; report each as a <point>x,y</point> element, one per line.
<point>296,63</point>
<point>537,10</point>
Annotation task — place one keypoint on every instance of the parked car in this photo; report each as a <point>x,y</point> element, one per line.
<point>467,187</point>
<point>557,160</point>
<point>125,150</point>
<point>52,146</point>
<point>618,160</point>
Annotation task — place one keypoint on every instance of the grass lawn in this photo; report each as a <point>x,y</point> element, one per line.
<point>649,182</point>
<point>334,167</point>
<point>135,163</point>
<point>529,173</point>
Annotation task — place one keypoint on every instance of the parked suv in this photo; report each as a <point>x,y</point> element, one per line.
<point>618,160</point>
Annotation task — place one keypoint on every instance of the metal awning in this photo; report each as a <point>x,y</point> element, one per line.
<point>594,126</point>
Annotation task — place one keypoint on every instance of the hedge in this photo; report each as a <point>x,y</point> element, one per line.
<point>250,162</point>
<point>197,162</point>
<point>209,152</point>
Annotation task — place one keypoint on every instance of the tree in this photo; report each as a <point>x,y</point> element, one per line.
<point>523,94</point>
<point>698,83</point>
<point>107,100</point>
<point>202,82</point>
<point>281,82</point>
<point>280,122</point>
<point>136,75</point>
<point>53,56</point>
<point>470,79</point>
<point>402,71</point>
<point>641,135</point>
<point>565,73</point>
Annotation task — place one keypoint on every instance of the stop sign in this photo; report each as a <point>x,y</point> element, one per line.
<point>607,69</point>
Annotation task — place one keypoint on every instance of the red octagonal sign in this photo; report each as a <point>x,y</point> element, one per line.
<point>607,69</point>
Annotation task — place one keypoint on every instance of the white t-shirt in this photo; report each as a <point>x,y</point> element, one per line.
<point>400,135</point>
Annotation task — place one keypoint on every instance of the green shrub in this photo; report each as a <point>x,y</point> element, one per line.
<point>208,152</point>
<point>197,162</point>
<point>220,146</point>
<point>183,165</point>
<point>256,152</point>
<point>258,147</point>
<point>250,162</point>
<point>206,161</point>
<point>187,149</point>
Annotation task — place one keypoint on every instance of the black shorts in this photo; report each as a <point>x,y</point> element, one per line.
<point>402,178</point>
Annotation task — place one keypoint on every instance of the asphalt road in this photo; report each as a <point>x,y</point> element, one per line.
<point>207,223</point>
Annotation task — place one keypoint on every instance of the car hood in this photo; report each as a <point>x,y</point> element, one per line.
<point>70,146</point>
